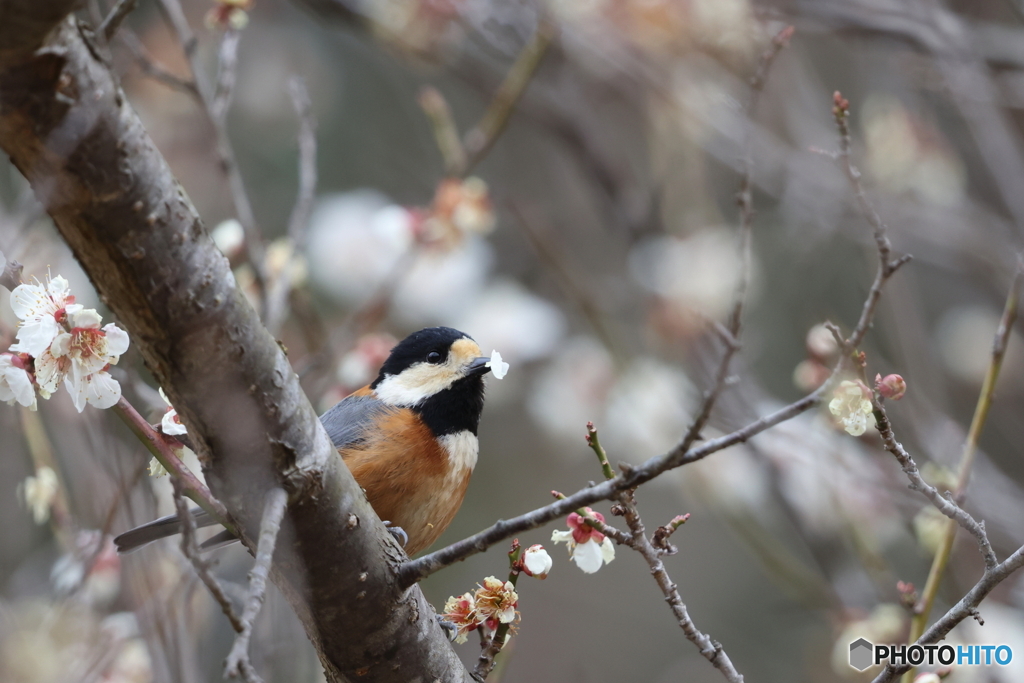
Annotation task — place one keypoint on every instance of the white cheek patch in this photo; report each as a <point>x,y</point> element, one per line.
<point>462,448</point>
<point>411,386</point>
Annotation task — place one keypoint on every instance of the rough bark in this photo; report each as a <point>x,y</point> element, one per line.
<point>68,128</point>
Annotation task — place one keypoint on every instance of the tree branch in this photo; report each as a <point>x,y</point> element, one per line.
<point>68,129</point>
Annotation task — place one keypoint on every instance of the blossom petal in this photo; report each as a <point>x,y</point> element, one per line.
<point>499,368</point>
<point>36,336</point>
<point>99,389</point>
<point>170,424</point>
<point>30,301</point>
<point>15,384</point>
<point>117,341</point>
<point>562,537</point>
<point>607,550</point>
<point>588,556</point>
<point>87,318</point>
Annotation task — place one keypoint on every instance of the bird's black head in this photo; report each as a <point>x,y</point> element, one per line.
<point>438,372</point>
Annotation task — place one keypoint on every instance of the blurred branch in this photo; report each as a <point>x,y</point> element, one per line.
<point>446,133</point>
<point>270,525</point>
<point>113,20</point>
<point>967,607</point>
<point>299,219</point>
<point>999,345</point>
<point>482,137</point>
<point>215,102</point>
<point>66,127</point>
<point>153,69</point>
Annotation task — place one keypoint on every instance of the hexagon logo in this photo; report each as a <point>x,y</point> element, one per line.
<point>860,654</point>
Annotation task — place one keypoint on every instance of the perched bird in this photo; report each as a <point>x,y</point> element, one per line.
<point>409,438</point>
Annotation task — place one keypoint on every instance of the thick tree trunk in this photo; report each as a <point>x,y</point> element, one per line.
<point>67,127</point>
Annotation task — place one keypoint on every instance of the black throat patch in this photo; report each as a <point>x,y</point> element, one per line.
<point>456,408</point>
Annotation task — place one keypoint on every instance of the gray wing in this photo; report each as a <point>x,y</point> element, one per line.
<point>347,420</point>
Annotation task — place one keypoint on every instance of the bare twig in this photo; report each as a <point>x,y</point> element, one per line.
<point>478,141</point>
<point>154,69</point>
<point>11,275</point>
<point>745,200</point>
<point>710,649</point>
<point>299,219</point>
<point>220,96</point>
<point>190,549</point>
<point>887,266</point>
<point>446,133</point>
<point>113,20</point>
<point>967,607</point>
<point>276,502</point>
<point>227,74</point>
<point>945,505</point>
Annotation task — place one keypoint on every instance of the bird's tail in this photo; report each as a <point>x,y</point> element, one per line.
<point>134,539</point>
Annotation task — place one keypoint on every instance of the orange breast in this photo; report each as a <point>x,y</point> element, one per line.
<point>408,478</point>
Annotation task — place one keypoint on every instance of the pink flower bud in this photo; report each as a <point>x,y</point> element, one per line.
<point>891,386</point>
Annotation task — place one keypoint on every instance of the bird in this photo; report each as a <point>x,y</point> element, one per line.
<point>409,438</point>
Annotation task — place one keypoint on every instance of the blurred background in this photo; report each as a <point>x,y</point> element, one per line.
<point>592,245</point>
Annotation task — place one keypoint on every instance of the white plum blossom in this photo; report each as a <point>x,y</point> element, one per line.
<point>852,406</point>
<point>41,310</point>
<point>171,423</point>
<point>16,382</point>
<point>536,562</point>
<point>38,493</point>
<point>499,368</point>
<point>64,341</point>
<point>588,547</point>
<point>496,602</point>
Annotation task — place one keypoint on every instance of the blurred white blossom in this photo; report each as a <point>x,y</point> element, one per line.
<point>39,492</point>
<point>852,405</point>
<point>505,311</point>
<point>16,381</point>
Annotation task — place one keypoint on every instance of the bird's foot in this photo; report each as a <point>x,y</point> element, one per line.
<point>398,533</point>
<point>450,629</point>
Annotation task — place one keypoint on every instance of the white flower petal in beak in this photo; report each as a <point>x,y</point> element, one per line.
<point>499,368</point>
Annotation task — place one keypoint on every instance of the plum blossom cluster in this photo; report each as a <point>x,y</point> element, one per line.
<point>852,405</point>
<point>494,603</point>
<point>588,547</point>
<point>59,341</point>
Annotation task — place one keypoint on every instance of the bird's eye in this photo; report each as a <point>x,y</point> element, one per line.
<point>434,357</point>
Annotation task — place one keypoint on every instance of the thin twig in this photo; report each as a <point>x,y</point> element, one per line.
<point>478,141</point>
<point>274,507</point>
<point>745,200</point>
<point>154,69</point>
<point>490,648</point>
<point>985,398</point>
<point>299,219</point>
<point>190,549</point>
<point>446,133</point>
<point>113,20</point>
<point>710,649</point>
<point>945,505</point>
<point>220,95</point>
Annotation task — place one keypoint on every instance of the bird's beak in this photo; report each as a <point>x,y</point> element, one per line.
<point>479,366</point>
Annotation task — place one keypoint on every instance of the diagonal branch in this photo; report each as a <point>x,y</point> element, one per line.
<point>67,127</point>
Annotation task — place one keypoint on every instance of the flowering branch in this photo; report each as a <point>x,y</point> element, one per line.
<point>157,444</point>
<point>273,512</point>
<point>494,645</point>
